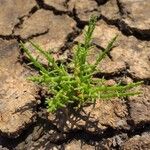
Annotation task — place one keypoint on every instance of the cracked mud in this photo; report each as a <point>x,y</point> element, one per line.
<point>58,25</point>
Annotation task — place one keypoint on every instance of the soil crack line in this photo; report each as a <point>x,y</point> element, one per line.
<point>42,5</point>
<point>143,35</point>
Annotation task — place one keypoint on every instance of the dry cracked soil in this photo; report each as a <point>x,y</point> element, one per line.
<point>58,25</point>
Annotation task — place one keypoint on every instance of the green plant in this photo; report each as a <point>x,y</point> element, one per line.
<point>79,86</point>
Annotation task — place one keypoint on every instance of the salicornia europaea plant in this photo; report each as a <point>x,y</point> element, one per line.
<point>79,86</point>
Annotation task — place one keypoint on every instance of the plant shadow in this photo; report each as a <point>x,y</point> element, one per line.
<point>64,126</point>
<point>68,119</point>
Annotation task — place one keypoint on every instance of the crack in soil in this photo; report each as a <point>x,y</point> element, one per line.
<point>80,24</point>
<point>34,35</point>
<point>42,5</point>
<point>122,10</point>
<point>143,35</point>
<point>9,37</point>
<point>101,2</point>
<point>129,120</point>
<point>69,42</point>
<point>21,19</point>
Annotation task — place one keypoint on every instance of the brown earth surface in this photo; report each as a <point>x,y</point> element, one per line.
<point>57,25</point>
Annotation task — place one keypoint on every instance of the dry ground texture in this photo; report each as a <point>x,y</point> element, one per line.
<point>59,24</point>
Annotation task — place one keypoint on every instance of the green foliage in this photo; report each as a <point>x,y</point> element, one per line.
<point>79,86</point>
